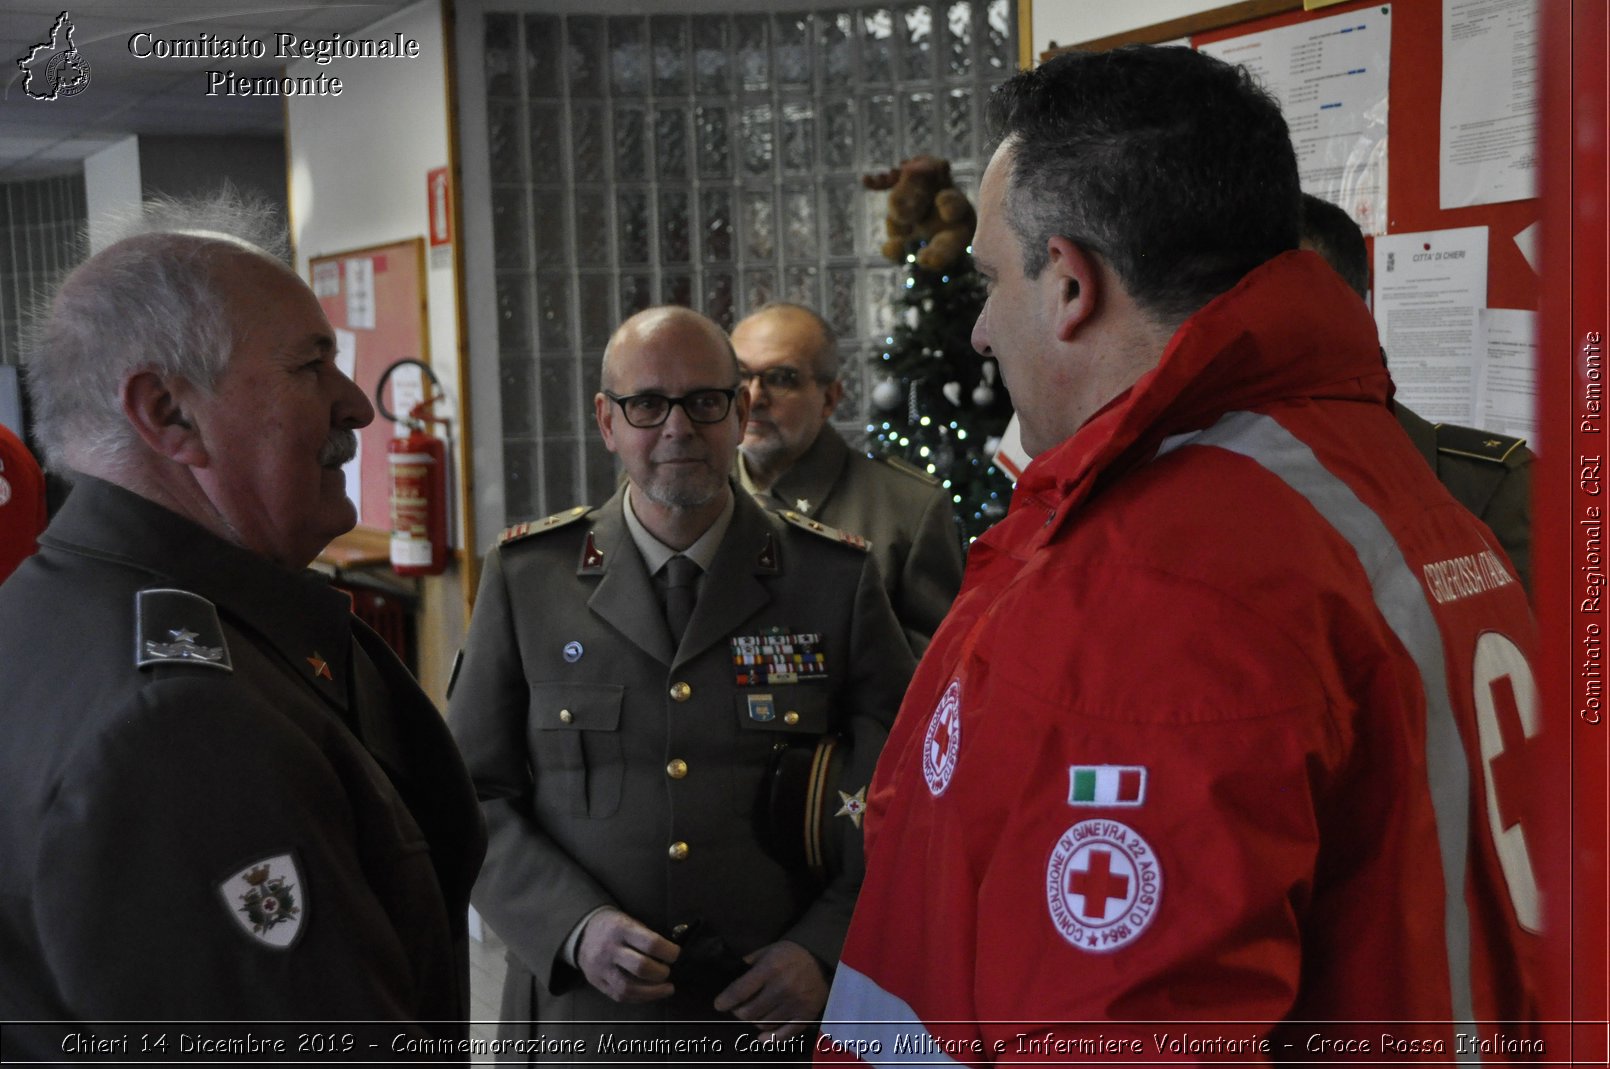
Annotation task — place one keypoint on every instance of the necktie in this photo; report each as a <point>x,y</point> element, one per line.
<point>681,573</point>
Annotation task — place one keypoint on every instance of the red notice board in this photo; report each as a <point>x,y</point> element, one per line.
<point>375,299</point>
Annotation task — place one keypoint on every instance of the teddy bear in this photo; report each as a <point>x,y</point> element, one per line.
<point>924,203</point>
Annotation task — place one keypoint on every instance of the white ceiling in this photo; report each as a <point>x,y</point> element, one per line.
<point>153,96</point>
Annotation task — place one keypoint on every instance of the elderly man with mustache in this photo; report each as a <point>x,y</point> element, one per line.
<point>221,797</point>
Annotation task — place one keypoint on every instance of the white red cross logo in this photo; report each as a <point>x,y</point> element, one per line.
<point>943,740</point>
<point>1102,885</point>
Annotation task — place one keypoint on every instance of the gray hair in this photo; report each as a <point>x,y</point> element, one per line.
<point>150,300</point>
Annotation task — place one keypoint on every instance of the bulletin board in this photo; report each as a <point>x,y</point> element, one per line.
<point>1415,92</point>
<point>375,299</point>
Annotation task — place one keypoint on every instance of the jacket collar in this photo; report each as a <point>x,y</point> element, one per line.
<point>806,486</point>
<point>297,614</point>
<point>1290,329</point>
<point>732,590</point>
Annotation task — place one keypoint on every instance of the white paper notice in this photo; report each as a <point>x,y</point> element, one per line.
<point>1489,101</point>
<point>360,276</point>
<point>1526,241</point>
<point>1009,455</point>
<point>1506,379</point>
<point>346,359</point>
<point>327,279</point>
<point>1428,287</point>
<point>1330,76</point>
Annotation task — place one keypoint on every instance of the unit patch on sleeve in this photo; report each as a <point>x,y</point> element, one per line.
<point>1102,885</point>
<point>1106,784</point>
<point>266,900</point>
<point>943,740</point>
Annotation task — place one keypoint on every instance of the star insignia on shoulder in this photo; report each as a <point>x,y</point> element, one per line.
<point>802,504</point>
<point>854,806</point>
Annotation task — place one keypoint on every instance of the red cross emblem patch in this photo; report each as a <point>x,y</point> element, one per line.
<point>943,740</point>
<point>1102,885</point>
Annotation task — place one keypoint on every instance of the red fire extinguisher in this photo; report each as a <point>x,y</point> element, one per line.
<point>418,464</point>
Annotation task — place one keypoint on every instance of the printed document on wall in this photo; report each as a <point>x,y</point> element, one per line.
<point>1428,288</point>
<point>1506,377</point>
<point>1330,76</point>
<point>1489,101</point>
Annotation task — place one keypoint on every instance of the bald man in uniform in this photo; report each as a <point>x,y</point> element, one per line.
<point>631,674</point>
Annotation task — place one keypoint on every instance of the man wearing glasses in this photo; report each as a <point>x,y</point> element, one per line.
<point>634,674</point>
<point>793,460</point>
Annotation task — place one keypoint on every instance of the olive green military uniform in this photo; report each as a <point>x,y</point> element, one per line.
<point>221,797</point>
<point>616,770</point>
<point>1490,474</point>
<point>903,513</point>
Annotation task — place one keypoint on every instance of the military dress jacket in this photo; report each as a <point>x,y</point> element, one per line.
<point>221,796</point>
<point>1490,474</point>
<point>618,771</point>
<point>904,514</point>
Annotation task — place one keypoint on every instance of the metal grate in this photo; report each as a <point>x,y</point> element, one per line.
<point>711,160</point>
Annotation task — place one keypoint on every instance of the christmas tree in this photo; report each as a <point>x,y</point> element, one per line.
<point>936,403</point>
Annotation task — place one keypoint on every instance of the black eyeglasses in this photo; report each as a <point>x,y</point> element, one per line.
<point>652,409</point>
<point>779,379</point>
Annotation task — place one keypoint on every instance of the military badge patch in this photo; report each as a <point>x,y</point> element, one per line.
<point>1102,885</point>
<point>854,806</point>
<point>178,627</point>
<point>266,900</point>
<point>762,708</point>
<point>943,741</point>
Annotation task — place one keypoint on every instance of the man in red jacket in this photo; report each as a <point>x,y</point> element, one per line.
<point>22,502</point>
<point>1233,722</point>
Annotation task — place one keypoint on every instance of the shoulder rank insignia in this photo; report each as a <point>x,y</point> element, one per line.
<point>178,627</point>
<point>820,528</point>
<point>1476,444</point>
<point>534,527</point>
<point>901,464</point>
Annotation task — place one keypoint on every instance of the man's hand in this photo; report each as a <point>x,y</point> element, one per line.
<point>625,960</point>
<point>782,994</point>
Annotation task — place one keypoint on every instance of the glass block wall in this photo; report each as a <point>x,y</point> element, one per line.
<point>711,160</point>
<point>41,224</point>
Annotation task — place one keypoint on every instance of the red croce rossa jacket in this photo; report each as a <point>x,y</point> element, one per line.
<point>1229,738</point>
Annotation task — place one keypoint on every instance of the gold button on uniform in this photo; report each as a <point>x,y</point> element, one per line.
<point>678,851</point>
<point>790,718</point>
<point>677,768</point>
<point>565,716</point>
<point>679,931</point>
<point>681,692</point>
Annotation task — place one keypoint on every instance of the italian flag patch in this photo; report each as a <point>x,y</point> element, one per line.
<point>1106,784</point>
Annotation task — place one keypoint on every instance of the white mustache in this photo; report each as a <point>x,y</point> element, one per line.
<point>339,448</point>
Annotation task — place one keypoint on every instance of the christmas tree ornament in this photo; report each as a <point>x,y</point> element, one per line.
<point>955,409</point>
<point>886,395</point>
